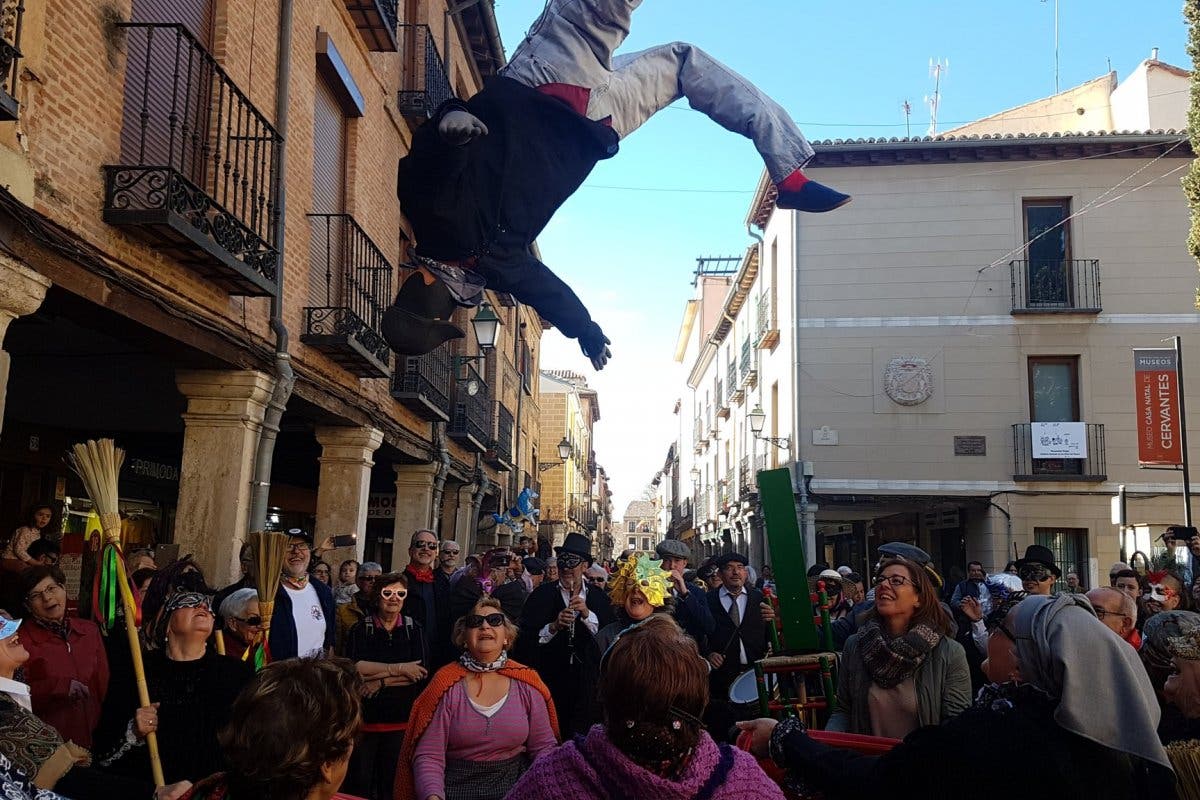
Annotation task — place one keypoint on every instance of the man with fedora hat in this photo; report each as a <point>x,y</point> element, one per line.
<point>1037,570</point>
<point>558,623</point>
<point>691,607</point>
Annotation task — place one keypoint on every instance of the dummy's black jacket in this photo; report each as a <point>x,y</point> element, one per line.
<point>492,197</point>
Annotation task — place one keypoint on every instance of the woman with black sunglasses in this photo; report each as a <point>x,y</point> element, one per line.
<point>481,721</point>
<point>389,651</point>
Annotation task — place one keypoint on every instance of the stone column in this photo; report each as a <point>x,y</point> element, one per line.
<point>221,426</point>
<point>21,292</point>
<point>414,507</point>
<point>347,455</point>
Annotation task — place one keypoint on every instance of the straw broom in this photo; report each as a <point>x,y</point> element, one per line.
<point>1185,758</point>
<point>270,549</point>
<point>98,464</point>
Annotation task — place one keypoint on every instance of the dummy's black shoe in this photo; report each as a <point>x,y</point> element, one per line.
<point>410,334</point>
<point>812,197</point>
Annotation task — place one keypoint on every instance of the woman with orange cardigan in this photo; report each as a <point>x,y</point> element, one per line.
<point>481,720</point>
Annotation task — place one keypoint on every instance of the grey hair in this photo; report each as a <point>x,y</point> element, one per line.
<point>368,565</point>
<point>413,539</point>
<point>1128,604</point>
<point>234,606</point>
<point>445,542</point>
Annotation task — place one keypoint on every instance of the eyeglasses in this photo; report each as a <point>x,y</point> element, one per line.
<point>298,547</point>
<point>895,581</point>
<point>598,580</point>
<point>44,594</point>
<point>569,562</point>
<point>251,621</point>
<point>1034,573</point>
<point>388,594</point>
<point>451,552</point>
<point>477,620</point>
<point>425,546</point>
<point>367,578</point>
<point>1101,613</point>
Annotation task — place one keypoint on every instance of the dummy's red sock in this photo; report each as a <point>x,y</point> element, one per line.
<point>793,182</point>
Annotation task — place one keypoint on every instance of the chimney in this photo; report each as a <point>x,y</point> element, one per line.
<point>1154,54</point>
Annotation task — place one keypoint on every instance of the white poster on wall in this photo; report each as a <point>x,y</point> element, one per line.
<point>1059,439</point>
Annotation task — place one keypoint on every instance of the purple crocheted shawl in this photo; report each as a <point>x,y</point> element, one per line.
<point>573,772</point>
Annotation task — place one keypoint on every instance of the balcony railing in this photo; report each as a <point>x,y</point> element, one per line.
<point>422,384</point>
<point>749,367</point>
<point>681,515</point>
<point>424,84</point>
<point>197,173</point>
<point>736,394</point>
<point>1048,287</point>
<point>376,22</point>
<point>698,437</point>
<point>1092,469</point>
<point>356,287</point>
<point>12,13</point>
<point>767,329</point>
<point>722,400</point>
<point>471,422</point>
<point>500,454</point>
<point>746,478</point>
<point>703,507</point>
<point>760,465</point>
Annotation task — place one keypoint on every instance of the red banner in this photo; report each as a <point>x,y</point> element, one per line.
<point>1156,382</point>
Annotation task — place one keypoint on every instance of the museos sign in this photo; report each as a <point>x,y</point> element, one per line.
<point>1156,382</point>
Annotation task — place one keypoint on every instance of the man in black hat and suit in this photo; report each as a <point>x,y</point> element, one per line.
<point>739,637</point>
<point>557,625</point>
<point>1037,570</point>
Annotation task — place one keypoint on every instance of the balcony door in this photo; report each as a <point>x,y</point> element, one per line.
<point>167,95</point>
<point>325,278</point>
<point>1048,252</point>
<point>1054,397</point>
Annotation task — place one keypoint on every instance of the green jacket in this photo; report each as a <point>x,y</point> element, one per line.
<point>943,687</point>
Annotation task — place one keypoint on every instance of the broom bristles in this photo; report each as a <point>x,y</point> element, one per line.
<point>98,464</point>
<point>270,549</point>
<point>1185,758</point>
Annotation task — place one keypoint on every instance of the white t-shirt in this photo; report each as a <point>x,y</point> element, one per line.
<point>310,620</point>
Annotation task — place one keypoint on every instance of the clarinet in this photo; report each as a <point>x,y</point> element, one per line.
<point>571,633</point>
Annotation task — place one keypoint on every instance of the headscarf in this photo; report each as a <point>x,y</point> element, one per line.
<point>1159,630</point>
<point>1065,651</point>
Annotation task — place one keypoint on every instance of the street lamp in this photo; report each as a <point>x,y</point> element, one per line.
<point>695,473</point>
<point>757,419</point>
<point>564,452</point>
<point>487,331</point>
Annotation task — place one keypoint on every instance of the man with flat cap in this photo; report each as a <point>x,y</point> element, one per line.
<point>691,605</point>
<point>739,637</point>
<point>558,623</point>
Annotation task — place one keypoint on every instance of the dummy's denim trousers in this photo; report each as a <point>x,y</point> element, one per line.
<point>572,42</point>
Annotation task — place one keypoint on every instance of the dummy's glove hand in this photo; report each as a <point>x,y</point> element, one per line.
<point>460,127</point>
<point>594,345</point>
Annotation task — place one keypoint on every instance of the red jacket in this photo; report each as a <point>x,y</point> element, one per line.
<point>53,664</point>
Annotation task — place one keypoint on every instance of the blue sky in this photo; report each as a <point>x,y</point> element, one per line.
<point>629,252</point>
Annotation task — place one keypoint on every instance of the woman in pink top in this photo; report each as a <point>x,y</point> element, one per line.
<point>481,721</point>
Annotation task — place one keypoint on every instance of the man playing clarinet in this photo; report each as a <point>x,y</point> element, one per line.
<point>557,625</point>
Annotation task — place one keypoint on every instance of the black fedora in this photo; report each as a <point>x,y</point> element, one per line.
<point>419,320</point>
<point>1038,554</point>
<point>576,544</point>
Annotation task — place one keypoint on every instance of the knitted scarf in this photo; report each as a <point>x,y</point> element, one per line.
<point>420,574</point>
<point>893,661</point>
<point>426,705</point>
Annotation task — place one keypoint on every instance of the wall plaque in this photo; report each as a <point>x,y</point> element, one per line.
<point>970,445</point>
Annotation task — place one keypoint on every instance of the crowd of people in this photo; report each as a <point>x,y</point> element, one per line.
<point>517,674</point>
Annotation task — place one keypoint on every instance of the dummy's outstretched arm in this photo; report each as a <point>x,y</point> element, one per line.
<point>532,282</point>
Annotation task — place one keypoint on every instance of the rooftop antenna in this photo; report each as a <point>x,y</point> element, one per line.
<point>936,70</point>
<point>907,119</point>
<point>1056,90</point>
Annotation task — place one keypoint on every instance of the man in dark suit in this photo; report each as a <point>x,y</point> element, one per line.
<point>429,595</point>
<point>557,625</point>
<point>740,637</point>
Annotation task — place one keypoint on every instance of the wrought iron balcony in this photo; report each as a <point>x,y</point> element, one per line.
<point>376,22</point>
<point>1091,469</point>
<point>357,281</point>
<point>749,367</point>
<point>681,515</point>
<point>1055,287</point>
<point>197,174</point>
<point>12,13</point>
<point>767,329</point>
<point>698,438</point>
<point>722,399</point>
<point>471,422</point>
<point>422,384</point>
<point>424,84</point>
<point>500,454</point>
<point>703,506</point>
<point>746,478</point>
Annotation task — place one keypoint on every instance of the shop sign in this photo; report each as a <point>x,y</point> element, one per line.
<point>154,470</point>
<point>381,506</point>
<point>1156,384</point>
<point>1059,439</point>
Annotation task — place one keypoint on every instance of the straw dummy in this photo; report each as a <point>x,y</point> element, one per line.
<point>485,176</point>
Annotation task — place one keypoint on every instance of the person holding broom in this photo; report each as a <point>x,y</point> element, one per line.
<point>304,619</point>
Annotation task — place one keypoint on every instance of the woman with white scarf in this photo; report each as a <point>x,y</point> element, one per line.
<point>1070,713</point>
